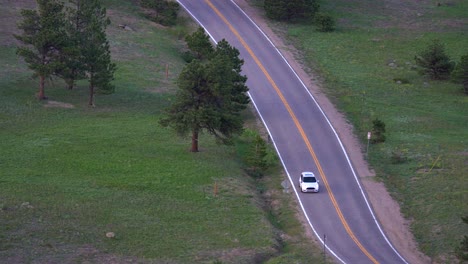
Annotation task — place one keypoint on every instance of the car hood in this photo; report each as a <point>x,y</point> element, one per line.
<point>310,184</point>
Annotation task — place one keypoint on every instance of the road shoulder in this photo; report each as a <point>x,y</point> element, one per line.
<point>387,210</point>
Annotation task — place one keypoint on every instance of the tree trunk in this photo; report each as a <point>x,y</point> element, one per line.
<point>465,86</point>
<point>91,94</point>
<point>70,84</point>
<point>194,140</point>
<point>41,94</point>
<point>71,81</point>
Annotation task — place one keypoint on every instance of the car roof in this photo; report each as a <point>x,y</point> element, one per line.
<point>308,174</point>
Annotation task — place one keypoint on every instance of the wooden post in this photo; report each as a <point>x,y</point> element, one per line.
<point>167,71</point>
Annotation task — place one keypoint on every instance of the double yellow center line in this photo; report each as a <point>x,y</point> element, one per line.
<point>299,127</point>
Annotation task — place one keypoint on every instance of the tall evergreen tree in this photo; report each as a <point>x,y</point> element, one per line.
<point>199,43</point>
<point>210,98</point>
<point>95,49</point>
<point>224,53</point>
<point>71,57</point>
<point>43,36</point>
<point>187,113</point>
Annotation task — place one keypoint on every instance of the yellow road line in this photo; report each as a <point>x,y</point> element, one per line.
<point>301,131</point>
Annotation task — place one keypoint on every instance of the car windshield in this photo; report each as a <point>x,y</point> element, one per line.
<point>309,179</point>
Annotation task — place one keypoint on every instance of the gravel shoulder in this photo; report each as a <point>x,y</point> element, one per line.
<point>387,210</point>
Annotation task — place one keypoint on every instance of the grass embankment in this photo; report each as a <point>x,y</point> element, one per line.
<point>367,67</point>
<point>71,173</point>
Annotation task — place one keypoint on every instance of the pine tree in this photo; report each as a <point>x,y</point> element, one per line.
<point>210,97</point>
<point>44,37</point>
<point>199,43</point>
<point>433,61</point>
<point>187,113</point>
<point>71,57</point>
<point>95,49</point>
<point>228,56</point>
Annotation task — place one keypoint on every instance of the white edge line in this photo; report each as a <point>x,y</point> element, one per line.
<point>279,154</point>
<point>274,144</point>
<point>333,129</point>
<point>292,184</point>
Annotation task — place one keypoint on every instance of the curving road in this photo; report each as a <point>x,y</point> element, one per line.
<point>303,138</point>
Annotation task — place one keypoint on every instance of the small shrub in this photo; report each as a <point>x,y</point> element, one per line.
<point>188,56</point>
<point>378,130</point>
<point>324,22</point>
<point>162,11</point>
<point>291,10</point>
<point>433,62</point>
<point>256,163</point>
<point>401,80</point>
<point>399,156</point>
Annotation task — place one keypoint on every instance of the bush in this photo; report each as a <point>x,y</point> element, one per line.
<point>324,22</point>
<point>378,130</point>
<point>460,74</point>
<point>256,163</point>
<point>291,10</point>
<point>162,11</point>
<point>187,56</point>
<point>399,156</point>
<point>256,154</point>
<point>433,62</point>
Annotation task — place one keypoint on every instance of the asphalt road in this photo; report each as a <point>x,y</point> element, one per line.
<point>339,214</point>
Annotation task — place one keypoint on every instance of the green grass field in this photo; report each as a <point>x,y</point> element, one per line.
<point>367,68</point>
<point>69,173</point>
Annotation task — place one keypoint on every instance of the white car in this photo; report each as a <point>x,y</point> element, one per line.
<point>308,182</point>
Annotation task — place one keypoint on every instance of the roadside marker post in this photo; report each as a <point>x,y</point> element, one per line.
<point>167,71</point>
<point>369,134</point>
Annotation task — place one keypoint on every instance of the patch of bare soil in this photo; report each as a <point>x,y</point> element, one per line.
<point>386,209</point>
<point>58,104</point>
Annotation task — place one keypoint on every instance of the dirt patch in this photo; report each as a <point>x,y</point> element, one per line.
<point>55,104</point>
<point>386,209</point>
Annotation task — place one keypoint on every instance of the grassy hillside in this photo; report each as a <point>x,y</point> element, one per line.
<point>367,68</point>
<point>70,174</point>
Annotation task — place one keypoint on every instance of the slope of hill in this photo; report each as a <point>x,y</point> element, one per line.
<point>108,184</point>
